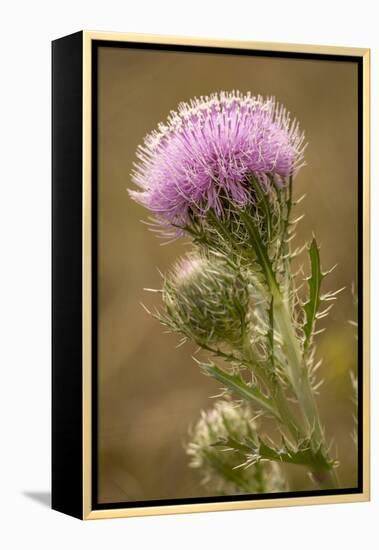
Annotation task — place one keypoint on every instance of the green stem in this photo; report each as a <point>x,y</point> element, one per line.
<point>298,376</point>
<point>296,371</point>
<point>285,415</point>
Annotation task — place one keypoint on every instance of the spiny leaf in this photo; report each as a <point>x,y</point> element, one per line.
<point>314,284</point>
<point>256,450</point>
<point>236,384</point>
<point>260,250</point>
<point>264,204</point>
<point>287,217</point>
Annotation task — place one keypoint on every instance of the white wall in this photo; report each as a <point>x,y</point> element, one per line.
<point>27,28</point>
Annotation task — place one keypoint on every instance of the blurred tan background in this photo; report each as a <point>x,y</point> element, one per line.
<point>150,391</point>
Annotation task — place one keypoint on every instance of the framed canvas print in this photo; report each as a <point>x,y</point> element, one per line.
<point>210,275</point>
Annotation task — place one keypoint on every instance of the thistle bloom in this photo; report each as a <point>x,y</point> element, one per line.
<point>230,420</point>
<point>206,300</point>
<point>206,151</point>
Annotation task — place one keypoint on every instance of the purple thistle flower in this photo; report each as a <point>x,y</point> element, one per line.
<point>208,149</point>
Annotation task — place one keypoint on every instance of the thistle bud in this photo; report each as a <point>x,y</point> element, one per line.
<point>224,468</point>
<point>206,300</point>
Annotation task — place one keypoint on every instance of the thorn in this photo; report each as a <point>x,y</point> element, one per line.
<point>299,200</point>
<point>181,343</point>
<point>297,220</point>
<point>317,365</point>
<point>331,295</point>
<point>329,270</point>
<point>318,385</point>
<point>290,238</point>
<point>145,308</point>
<point>152,290</point>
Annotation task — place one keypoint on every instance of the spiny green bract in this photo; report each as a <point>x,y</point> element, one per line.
<point>206,299</point>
